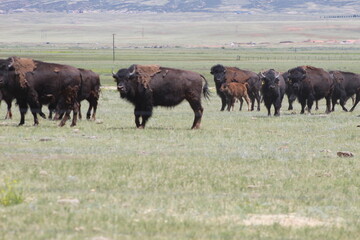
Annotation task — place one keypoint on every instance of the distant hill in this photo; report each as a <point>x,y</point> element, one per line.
<point>324,7</point>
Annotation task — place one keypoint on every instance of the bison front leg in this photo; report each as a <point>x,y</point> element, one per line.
<point>268,107</point>
<point>137,113</point>
<point>328,104</point>
<point>310,102</point>
<point>303,105</point>
<point>8,113</point>
<point>223,102</point>
<point>277,106</point>
<point>23,108</point>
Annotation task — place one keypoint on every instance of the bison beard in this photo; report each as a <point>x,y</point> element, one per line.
<point>149,86</point>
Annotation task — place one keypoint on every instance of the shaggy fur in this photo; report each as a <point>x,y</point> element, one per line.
<point>23,66</point>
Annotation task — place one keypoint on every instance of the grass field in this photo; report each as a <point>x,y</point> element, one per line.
<point>243,175</point>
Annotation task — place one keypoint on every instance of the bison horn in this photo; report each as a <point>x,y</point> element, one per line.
<point>12,62</point>
<point>113,74</point>
<point>133,71</point>
<point>262,75</point>
<point>277,76</point>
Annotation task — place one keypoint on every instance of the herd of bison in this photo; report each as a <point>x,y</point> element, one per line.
<point>61,87</point>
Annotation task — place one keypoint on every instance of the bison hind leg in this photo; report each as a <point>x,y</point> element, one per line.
<point>198,112</point>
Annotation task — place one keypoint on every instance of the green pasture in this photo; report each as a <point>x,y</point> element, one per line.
<point>243,175</point>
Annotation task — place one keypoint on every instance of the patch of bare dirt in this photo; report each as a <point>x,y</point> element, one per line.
<point>285,220</point>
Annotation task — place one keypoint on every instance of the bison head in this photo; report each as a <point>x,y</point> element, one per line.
<point>219,72</point>
<point>224,88</point>
<point>270,79</point>
<point>5,67</point>
<point>123,79</point>
<point>296,77</point>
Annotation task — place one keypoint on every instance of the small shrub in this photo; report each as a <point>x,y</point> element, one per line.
<point>10,195</point>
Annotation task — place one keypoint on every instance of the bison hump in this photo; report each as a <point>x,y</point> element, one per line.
<point>146,72</point>
<point>23,66</point>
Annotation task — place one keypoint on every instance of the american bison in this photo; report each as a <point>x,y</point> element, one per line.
<point>273,90</point>
<point>289,91</point>
<point>347,84</point>
<point>235,90</point>
<point>311,84</point>
<point>148,86</point>
<point>233,74</point>
<point>34,83</point>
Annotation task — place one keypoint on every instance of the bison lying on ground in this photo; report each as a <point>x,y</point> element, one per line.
<point>235,90</point>
<point>35,83</point>
<point>273,90</point>
<point>311,84</point>
<point>151,85</point>
<point>232,74</point>
<point>347,84</point>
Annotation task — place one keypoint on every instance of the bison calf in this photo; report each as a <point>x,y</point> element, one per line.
<point>235,90</point>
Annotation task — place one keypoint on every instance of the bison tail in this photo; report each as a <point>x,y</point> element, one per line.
<point>247,86</point>
<point>206,90</point>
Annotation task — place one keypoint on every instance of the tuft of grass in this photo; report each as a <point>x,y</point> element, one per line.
<point>10,194</point>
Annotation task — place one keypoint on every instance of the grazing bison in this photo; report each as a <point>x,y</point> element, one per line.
<point>35,83</point>
<point>232,74</point>
<point>147,86</point>
<point>7,98</point>
<point>89,90</point>
<point>273,90</point>
<point>234,90</point>
<point>311,84</point>
<point>347,84</point>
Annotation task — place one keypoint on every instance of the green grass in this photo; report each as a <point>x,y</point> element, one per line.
<point>168,182</point>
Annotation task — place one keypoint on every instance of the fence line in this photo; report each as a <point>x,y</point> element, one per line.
<point>295,58</point>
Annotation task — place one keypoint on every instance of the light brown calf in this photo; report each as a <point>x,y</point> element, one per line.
<point>235,90</point>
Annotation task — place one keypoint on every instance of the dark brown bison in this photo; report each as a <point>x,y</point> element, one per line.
<point>311,84</point>
<point>35,83</point>
<point>233,90</point>
<point>273,90</point>
<point>151,85</point>
<point>89,90</point>
<point>289,91</point>
<point>233,74</point>
<point>347,84</point>
<point>7,98</point>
